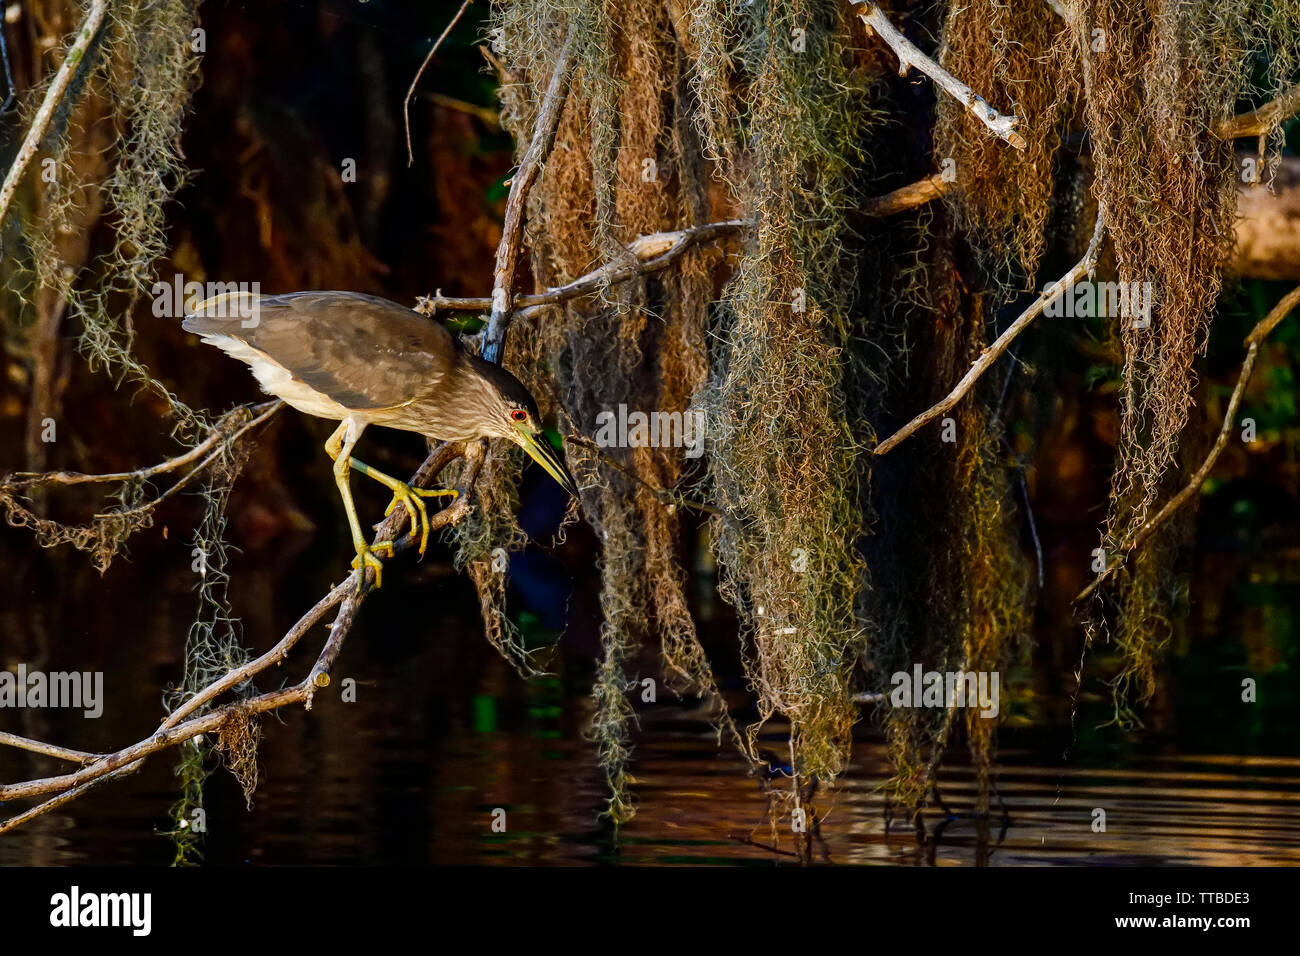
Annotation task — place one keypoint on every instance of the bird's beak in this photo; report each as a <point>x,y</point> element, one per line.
<point>540,451</point>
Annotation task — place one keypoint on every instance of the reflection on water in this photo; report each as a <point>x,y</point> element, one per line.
<point>442,734</point>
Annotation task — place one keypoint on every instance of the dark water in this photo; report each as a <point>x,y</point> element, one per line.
<point>442,734</point>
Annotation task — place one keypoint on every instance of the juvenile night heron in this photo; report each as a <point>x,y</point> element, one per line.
<point>361,360</point>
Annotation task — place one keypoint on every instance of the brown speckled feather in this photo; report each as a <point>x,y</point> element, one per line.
<point>416,352</point>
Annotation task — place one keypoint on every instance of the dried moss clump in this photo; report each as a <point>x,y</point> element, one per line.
<point>625,164</point>
<point>783,451</point>
<point>129,101</point>
<point>1158,80</point>
<point>1001,195</point>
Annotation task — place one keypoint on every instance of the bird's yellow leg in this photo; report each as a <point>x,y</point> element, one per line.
<point>339,448</point>
<point>409,496</point>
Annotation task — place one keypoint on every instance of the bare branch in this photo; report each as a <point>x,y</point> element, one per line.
<point>58,86</point>
<point>100,768</point>
<point>1140,537</point>
<point>162,740</point>
<point>198,469</point>
<point>1264,120</point>
<point>1083,267</point>
<point>548,120</point>
<point>650,253</point>
<point>276,655</point>
<point>908,197</point>
<point>220,433</point>
<point>1275,316</point>
<point>909,56</point>
<point>105,533</point>
<point>49,750</point>
<point>406,103</point>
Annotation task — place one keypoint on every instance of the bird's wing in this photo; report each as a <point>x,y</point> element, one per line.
<point>362,351</point>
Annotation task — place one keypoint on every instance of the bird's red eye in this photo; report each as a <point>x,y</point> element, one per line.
<point>519,415</point>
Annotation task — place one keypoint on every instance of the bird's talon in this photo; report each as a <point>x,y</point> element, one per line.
<point>366,558</point>
<point>413,499</point>
<point>435,492</point>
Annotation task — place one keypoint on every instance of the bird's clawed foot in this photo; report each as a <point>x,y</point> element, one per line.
<point>412,499</point>
<point>368,557</point>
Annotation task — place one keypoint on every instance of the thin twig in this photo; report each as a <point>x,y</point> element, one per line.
<point>406,103</point>
<point>1083,267</point>
<point>548,120</point>
<point>1148,528</point>
<point>58,86</point>
<point>909,56</point>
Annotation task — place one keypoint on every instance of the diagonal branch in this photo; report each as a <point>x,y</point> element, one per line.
<point>180,725</point>
<point>58,86</point>
<point>49,750</point>
<point>224,430</point>
<point>909,56</point>
<point>1252,342</point>
<point>1259,122</point>
<point>1083,267</point>
<point>907,197</point>
<point>548,120</point>
<point>115,526</point>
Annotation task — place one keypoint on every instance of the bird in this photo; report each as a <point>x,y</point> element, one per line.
<point>363,360</point>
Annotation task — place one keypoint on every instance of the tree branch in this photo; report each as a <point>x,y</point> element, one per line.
<point>220,433</point>
<point>548,120</point>
<point>909,56</point>
<point>1083,267</point>
<point>1252,342</point>
<point>197,470</point>
<point>1255,123</point>
<point>58,86</point>
<point>908,197</point>
<point>651,253</point>
<point>114,525</point>
<point>175,729</point>
<point>1259,122</point>
<point>49,750</point>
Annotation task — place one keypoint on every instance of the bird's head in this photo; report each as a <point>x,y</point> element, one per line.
<point>511,413</point>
